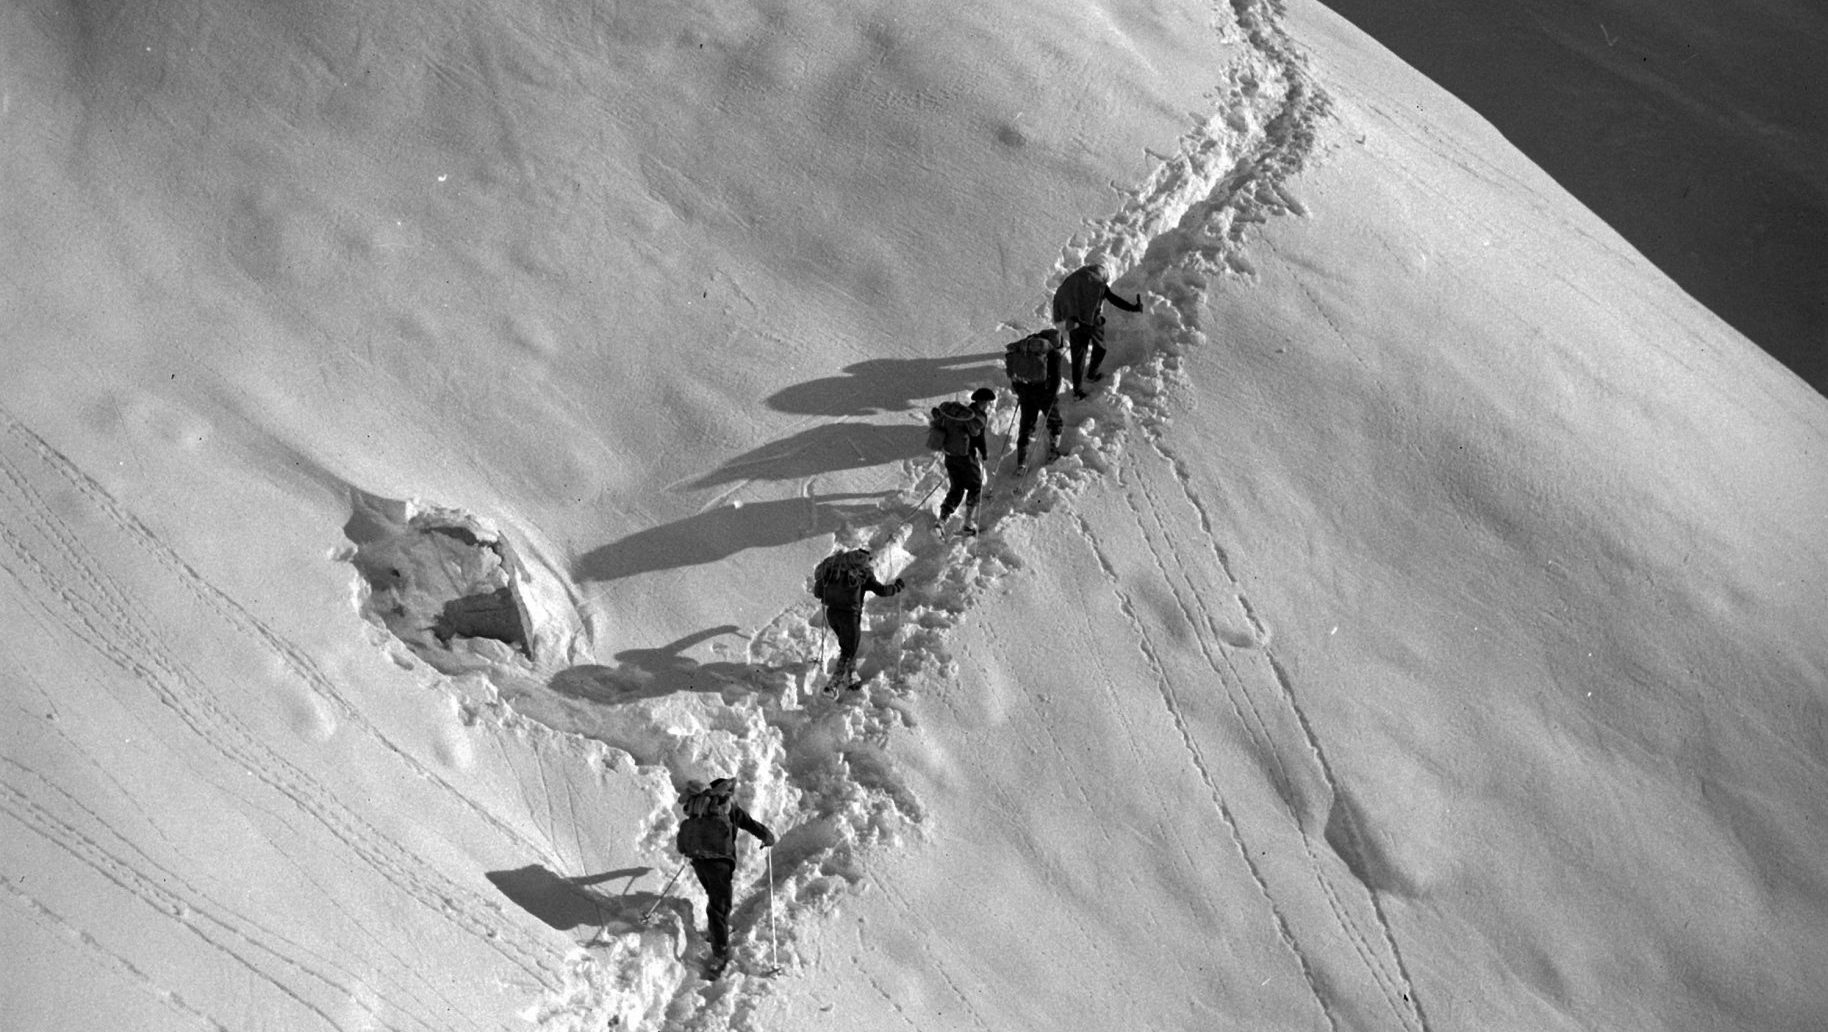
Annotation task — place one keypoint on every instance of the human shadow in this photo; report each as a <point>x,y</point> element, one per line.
<point>886,385</point>
<point>722,532</point>
<point>565,904</point>
<point>822,449</point>
<point>651,673</point>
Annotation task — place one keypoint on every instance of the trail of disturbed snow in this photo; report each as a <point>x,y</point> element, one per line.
<point>821,767</point>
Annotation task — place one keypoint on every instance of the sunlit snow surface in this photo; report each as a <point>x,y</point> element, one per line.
<point>423,423</point>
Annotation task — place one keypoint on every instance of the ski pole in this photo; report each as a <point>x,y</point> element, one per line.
<point>936,484</point>
<point>1003,435</point>
<point>645,917</point>
<point>774,939</point>
<point>995,469</point>
<point>901,626</point>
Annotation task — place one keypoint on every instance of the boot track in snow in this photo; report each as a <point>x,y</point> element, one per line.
<point>821,764</point>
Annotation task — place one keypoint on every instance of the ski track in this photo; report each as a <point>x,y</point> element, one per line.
<point>1120,708</point>
<point>221,605</point>
<point>1184,226</point>
<point>1181,228</point>
<point>1209,236</point>
<point>60,571</point>
<point>936,962</point>
<point>56,923</point>
<point>239,940</point>
<point>1197,757</point>
<point>1261,701</point>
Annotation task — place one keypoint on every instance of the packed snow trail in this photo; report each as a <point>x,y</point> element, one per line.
<point>818,771</point>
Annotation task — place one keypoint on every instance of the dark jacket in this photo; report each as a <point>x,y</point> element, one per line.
<point>978,449</point>
<point>1082,294</point>
<point>739,818</point>
<point>855,599</point>
<point>1056,374</point>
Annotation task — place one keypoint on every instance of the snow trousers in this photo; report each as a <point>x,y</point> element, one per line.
<point>1032,400</point>
<point>1086,340</point>
<point>964,480</point>
<point>715,876</point>
<point>847,624</point>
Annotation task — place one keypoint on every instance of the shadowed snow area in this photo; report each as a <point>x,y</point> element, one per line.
<point>425,420</point>
<point>1698,130</point>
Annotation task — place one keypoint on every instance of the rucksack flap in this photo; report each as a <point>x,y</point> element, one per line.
<point>841,575</point>
<point>712,800</point>
<point>1025,360</point>
<point>957,423</point>
<point>707,832</point>
<point>936,434</point>
<point>706,838</point>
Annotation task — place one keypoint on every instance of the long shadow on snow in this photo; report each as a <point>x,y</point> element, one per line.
<point>823,449</point>
<point>652,673</point>
<point>720,533</point>
<point>564,904</point>
<point>879,385</point>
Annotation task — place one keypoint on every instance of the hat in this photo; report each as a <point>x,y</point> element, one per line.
<point>983,394</point>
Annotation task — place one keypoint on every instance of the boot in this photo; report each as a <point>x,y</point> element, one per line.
<point>842,675</point>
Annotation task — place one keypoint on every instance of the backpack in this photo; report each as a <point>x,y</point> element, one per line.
<point>1025,361</point>
<point>839,578</point>
<point>952,426</point>
<point>707,832</point>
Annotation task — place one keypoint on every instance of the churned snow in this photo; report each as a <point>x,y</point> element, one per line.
<point>423,422</point>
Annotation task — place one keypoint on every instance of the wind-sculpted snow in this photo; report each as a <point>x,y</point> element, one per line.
<point>818,771</point>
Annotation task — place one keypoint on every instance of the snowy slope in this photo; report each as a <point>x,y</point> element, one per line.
<point>1452,659</point>
<point>1423,634</point>
<point>1698,130</point>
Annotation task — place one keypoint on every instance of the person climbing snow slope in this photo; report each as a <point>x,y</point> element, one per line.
<point>707,837</point>
<point>1033,365</point>
<point>841,580</point>
<point>956,431</point>
<point>1079,315</point>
